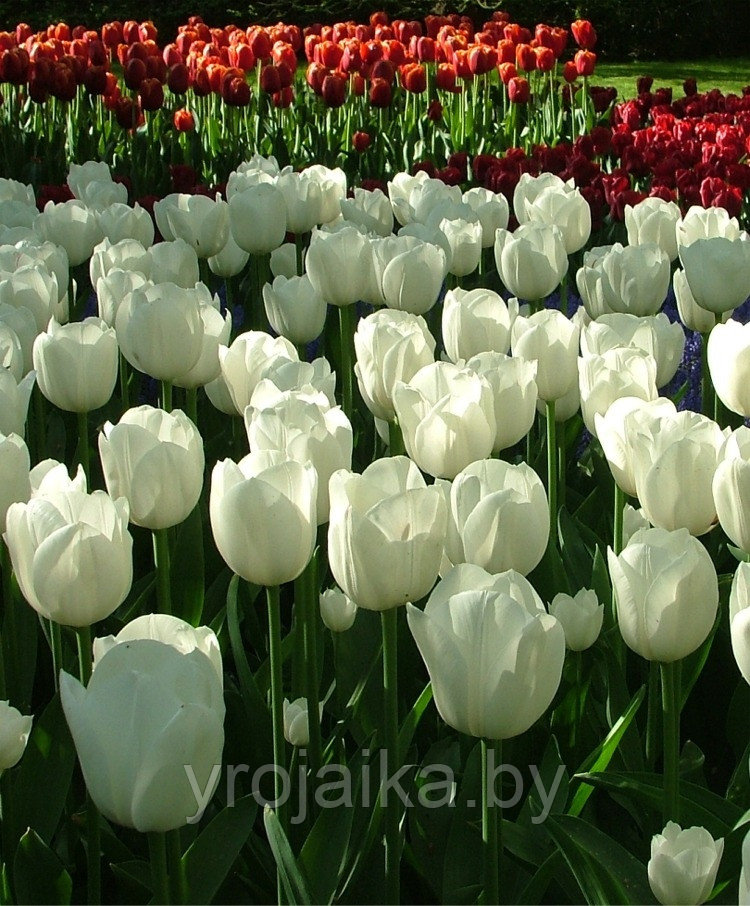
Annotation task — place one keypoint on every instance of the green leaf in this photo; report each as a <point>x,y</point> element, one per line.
<point>134,880</point>
<point>605,871</point>
<point>575,555</point>
<point>536,887</point>
<point>600,758</point>
<point>324,852</point>
<point>411,722</point>
<point>40,876</point>
<point>209,860</point>
<point>255,706</point>
<point>292,878</point>
<point>45,772</point>
<point>698,806</point>
<point>187,569</point>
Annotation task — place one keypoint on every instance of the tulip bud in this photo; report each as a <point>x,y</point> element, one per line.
<point>498,517</point>
<point>447,418</point>
<point>257,217</point>
<point>337,611</point>
<point>14,734</point>
<point>667,593</point>
<point>14,402</point>
<point>71,552</point>
<point>581,617</point>
<point>515,394</point>
<point>551,340</point>
<point>386,533</point>
<point>76,364</point>
<point>155,460</point>
<point>263,516</point>
<point>683,864</point>
<point>653,220</point>
<point>729,365</point>
<point>531,261</point>
<point>470,614</point>
<point>173,703</point>
<point>739,619</point>
<point>296,725</point>
<point>475,321</point>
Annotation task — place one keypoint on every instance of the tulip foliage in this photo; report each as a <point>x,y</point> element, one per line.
<point>368,533</point>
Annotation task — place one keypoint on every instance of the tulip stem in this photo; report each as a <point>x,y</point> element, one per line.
<point>299,250</point>
<point>166,396</point>
<point>277,695</point>
<point>273,605</point>
<point>389,624</point>
<point>653,713</point>
<point>83,446</point>
<point>159,878</point>
<point>93,832</point>
<point>191,404</point>
<point>670,700</point>
<point>9,627</point>
<point>395,439</point>
<point>618,519</point>
<point>176,868</point>
<point>346,328</point>
<point>552,469</point>
<point>708,394</point>
<point>124,383</point>
<point>310,634</point>
<point>491,753</point>
<point>161,562</point>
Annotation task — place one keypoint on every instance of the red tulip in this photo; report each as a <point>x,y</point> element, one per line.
<point>361,141</point>
<point>584,33</point>
<point>183,120</point>
<point>519,90</point>
<point>585,61</point>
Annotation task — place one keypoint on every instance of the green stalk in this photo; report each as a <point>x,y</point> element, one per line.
<point>653,714</point>
<point>159,878</point>
<point>618,519</point>
<point>670,702</point>
<point>166,396</point>
<point>346,328</point>
<point>83,446</point>
<point>273,605</point>
<point>310,632</point>
<point>124,383</point>
<point>552,469</point>
<point>191,404</point>
<point>93,832</point>
<point>55,635</point>
<point>9,625</point>
<point>299,247</point>
<point>395,439</point>
<point>176,868</point>
<point>277,695</point>
<point>491,829</point>
<point>161,562</point>
<point>389,625</point>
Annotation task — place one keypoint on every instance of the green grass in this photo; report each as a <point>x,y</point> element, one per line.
<point>728,75</point>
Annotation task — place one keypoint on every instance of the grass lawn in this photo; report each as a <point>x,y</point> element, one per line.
<point>730,75</point>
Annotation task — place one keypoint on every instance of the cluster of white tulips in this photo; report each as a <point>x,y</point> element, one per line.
<point>450,511</point>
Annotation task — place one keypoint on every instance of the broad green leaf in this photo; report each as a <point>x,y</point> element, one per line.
<point>211,857</point>
<point>255,705</point>
<point>698,806</point>
<point>323,854</point>
<point>600,758</point>
<point>292,879</point>
<point>41,785</point>
<point>40,876</point>
<point>133,880</point>
<point>605,871</point>
<point>575,555</point>
<point>411,721</point>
